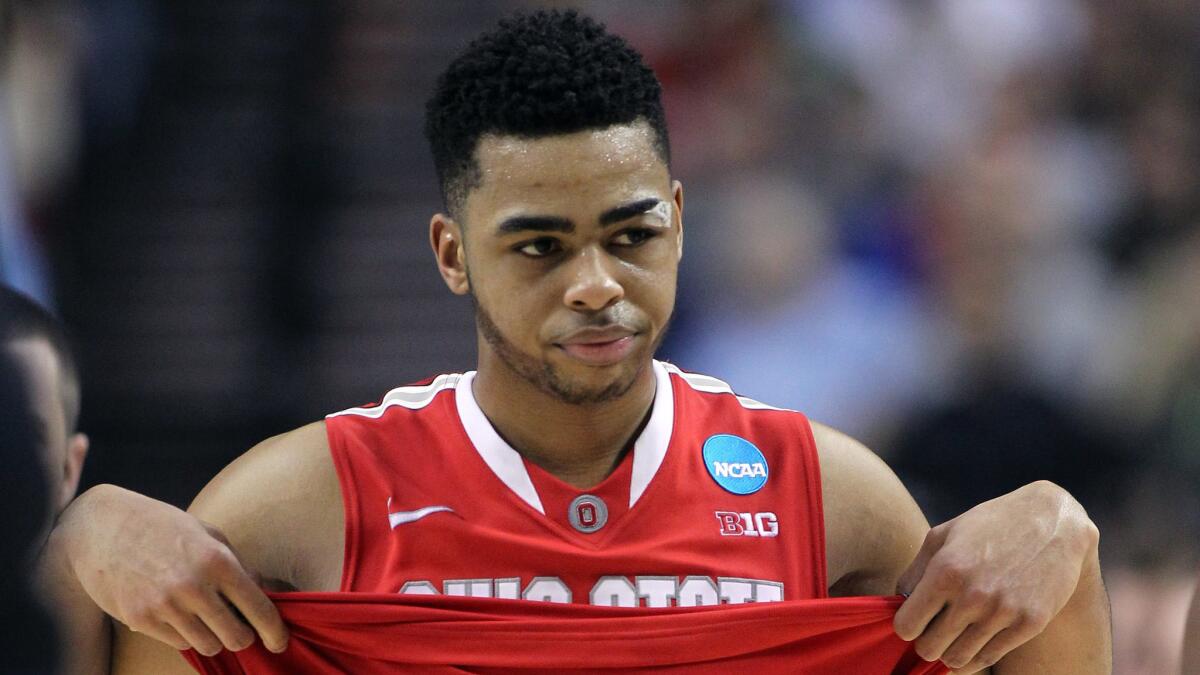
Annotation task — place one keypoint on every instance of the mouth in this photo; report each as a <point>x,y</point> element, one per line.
<point>599,346</point>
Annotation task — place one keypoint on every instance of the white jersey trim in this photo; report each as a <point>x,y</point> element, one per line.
<point>413,398</point>
<point>649,449</point>
<point>712,385</point>
<point>500,457</point>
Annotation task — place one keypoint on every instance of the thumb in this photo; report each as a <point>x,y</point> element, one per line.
<point>934,540</point>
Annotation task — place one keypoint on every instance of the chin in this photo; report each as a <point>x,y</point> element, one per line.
<point>581,384</point>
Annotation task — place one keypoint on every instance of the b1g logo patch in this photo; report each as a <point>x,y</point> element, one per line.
<point>734,524</point>
<point>735,464</point>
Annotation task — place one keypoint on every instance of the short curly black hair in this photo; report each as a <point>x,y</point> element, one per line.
<point>539,74</point>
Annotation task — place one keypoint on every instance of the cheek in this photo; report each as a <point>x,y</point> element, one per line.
<point>516,305</point>
<point>656,282</point>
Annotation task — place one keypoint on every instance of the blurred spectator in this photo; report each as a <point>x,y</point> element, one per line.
<point>37,346</point>
<point>27,635</point>
<point>22,264</point>
<point>792,323</point>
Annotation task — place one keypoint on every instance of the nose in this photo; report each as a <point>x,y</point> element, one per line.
<point>594,284</point>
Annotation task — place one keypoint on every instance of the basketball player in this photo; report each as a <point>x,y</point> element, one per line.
<point>37,344</point>
<point>570,466</point>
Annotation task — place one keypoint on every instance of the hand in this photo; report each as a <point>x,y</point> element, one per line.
<point>163,572</point>
<point>991,579</point>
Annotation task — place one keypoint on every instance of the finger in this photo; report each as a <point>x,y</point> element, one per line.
<point>967,646</point>
<point>163,633</point>
<point>1000,645</point>
<point>233,633</point>
<point>934,539</point>
<point>258,610</point>
<point>193,630</point>
<point>919,609</point>
<point>937,637</point>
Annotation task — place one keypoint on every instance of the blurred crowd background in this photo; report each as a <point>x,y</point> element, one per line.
<point>964,231</point>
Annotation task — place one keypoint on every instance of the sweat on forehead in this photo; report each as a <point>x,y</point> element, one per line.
<point>578,155</point>
<point>578,175</point>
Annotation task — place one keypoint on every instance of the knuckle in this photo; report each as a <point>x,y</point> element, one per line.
<point>950,574</point>
<point>979,596</point>
<point>955,659</point>
<point>138,619</point>
<point>154,604</point>
<point>156,600</point>
<point>1035,618</point>
<point>181,588</point>
<point>215,559</point>
<point>1008,610</point>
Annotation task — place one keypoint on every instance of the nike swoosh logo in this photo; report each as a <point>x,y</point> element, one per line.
<point>402,517</point>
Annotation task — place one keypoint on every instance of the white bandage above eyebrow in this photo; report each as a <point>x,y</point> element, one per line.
<point>662,210</point>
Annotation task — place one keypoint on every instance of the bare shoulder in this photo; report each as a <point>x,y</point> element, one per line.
<point>873,528</point>
<point>280,506</point>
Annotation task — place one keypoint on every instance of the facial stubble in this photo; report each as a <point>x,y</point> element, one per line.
<point>545,376</point>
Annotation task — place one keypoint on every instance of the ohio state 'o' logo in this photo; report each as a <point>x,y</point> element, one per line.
<point>587,513</point>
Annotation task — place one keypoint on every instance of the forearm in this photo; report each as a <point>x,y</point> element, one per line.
<point>1077,641</point>
<point>85,627</point>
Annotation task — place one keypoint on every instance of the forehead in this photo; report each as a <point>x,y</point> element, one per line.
<point>568,171</point>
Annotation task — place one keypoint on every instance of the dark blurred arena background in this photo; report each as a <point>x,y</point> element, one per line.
<point>965,231</point>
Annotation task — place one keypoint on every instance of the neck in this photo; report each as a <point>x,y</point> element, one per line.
<point>579,444</point>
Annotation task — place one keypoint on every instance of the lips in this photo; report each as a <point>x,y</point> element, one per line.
<point>599,346</point>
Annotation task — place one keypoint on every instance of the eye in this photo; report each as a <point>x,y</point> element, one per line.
<point>634,236</point>
<point>539,248</point>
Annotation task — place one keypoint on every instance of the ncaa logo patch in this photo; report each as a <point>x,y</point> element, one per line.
<point>735,464</point>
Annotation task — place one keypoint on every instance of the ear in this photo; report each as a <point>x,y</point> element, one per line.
<point>72,469</point>
<point>677,193</point>
<point>446,238</point>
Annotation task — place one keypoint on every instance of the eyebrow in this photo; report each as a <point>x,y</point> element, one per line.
<point>536,224</point>
<point>564,225</point>
<point>627,211</point>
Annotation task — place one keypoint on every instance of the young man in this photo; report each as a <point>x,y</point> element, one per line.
<point>570,466</point>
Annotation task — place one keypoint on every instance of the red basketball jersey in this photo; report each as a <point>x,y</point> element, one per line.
<point>379,634</point>
<point>718,502</point>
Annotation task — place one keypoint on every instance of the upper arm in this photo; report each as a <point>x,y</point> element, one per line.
<point>279,507</point>
<point>873,528</point>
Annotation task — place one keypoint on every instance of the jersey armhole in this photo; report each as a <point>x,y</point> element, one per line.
<point>345,473</point>
<point>812,473</point>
